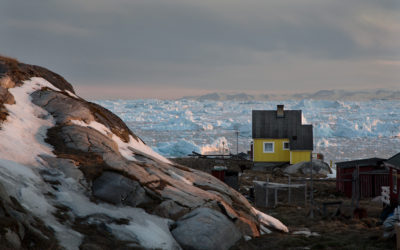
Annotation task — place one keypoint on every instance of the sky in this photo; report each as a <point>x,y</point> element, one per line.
<point>172,48</point>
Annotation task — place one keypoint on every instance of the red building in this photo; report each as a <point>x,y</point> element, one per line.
<point>393,164</point>
<point>371,176</point>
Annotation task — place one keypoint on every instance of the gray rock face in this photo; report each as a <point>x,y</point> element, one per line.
<point>204,229</point>
<point>62,107</point>
<point>117,189</point>
<point>87,140</point>
<point>66,166</point>
<point>170,209</point>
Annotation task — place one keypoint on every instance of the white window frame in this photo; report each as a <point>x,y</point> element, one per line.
<point>283,145</point>
<point>273,147</point>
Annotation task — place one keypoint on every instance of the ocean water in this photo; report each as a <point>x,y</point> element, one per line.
<point>342,130</point>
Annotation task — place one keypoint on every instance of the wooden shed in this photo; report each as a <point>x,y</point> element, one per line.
<point>393,164</point>
<point>369,174</point>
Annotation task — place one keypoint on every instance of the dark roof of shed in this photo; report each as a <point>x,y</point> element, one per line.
<point>394,160</point>
<point>266,124</point>
<point>361,162</point>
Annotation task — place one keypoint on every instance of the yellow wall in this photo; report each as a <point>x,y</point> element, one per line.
<point>299,156</point>
<point>279,154</point>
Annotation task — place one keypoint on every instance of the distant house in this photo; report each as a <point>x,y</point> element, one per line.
<point>393,164</point>
<point>372,175</point>
<point>279,136</point>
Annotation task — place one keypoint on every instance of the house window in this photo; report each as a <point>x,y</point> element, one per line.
<point>268,147</point>
<point>285,145</point>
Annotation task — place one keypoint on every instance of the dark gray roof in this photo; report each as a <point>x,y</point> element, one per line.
<point>304,139</point>
<point>394,161</point>
<point>361,163</point>
<point>266,124</point>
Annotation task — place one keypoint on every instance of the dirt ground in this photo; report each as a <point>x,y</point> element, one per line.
<point>332,231</point>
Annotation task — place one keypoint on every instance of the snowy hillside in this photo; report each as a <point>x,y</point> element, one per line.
<point>342,129</point>
<point>74,176</point>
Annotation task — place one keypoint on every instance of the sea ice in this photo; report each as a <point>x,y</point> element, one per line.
<point>343,130</point>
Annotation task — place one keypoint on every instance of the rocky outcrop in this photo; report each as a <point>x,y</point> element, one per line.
<point>102,186</point>
<point>213,230</point>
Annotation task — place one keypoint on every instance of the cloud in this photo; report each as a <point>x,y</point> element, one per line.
<point>217,44</point>
<point>46,27</point>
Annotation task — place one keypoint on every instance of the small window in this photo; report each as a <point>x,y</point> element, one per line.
<point>286,145</point>
<point>268,147</point>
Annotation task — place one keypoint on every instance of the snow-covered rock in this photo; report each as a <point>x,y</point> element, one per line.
<point>73,175</point>
<point>318,167</point>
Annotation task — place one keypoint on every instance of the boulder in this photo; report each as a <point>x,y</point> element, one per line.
<point>119,190</point>
<point>318,166</point>
<point>204,229</point>
<point>170,209</point>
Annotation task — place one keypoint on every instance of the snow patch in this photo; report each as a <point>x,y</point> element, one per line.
<point>23,133</point>
<point>333,175</point>
<point>269,221</point>
<point>71,94</point>
<point>306,233</point>
<point>179,177</point>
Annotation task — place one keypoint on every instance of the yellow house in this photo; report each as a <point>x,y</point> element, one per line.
<point>279,136</point>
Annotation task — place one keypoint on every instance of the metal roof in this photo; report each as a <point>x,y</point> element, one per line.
<point>267,124</point>
<point>394,161</point>
<point>360,162</point>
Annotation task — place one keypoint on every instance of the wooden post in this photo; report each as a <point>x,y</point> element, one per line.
<point>237,141</point>
<point>289,191</point>
<point>266,193</point>
<point>311,189</point>
<point>358,187</point>
<point>353,188</point>
<point>305,194</point>
<point>397,230</point>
